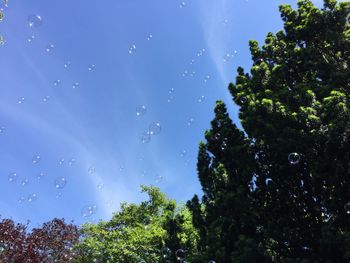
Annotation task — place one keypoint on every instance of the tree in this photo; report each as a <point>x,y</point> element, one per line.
<point>149,232</point>
<point>53,242</point>
<point>280,190</point>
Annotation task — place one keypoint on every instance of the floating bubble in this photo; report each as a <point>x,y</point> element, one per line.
<point>171,91</point>
<point>88,210</point>
<point>217,136</point>
<point>347,208</point>
<point>200,52</point>
<point>170,99</point>
<point>185,73</point>
<point>12,177</point>
<point>58,195</point>
<point>2,129</point>
<point>206,78</point>
<point>91,170</point>
<point>46,98</point>
<point>180,254</point>
<point>225,22</point>
<point>61,161</point>
<point>31,38</point>
<point>243,99</point>
<point>132,49</point>
<point>141,110</point>
<point>21,200</point>
<point>3,4</point>
<point>60,182</point>
<point>158,178</point>
<point>91,67</point>
<point>183,153</point>
<point>57,82</point>
<point>143,173</point>
<point>40,175</point>
<point>166,253</point>
<point>192,73</point>
<point>75,85</point>
<point>146,137</point>
<point>67,64</point>
<point>100,186</point>
<point>20,100</point>
<point>190,121</point>
<point>201,99</point>
<point>32,197</point>
<point>149,37</point>
<point>294,158</point>
<point>24,182</point>
<point>268,181</point>
<point>2,40</point>
<point>34,20</point>
<point>71,161</point>
<point>49,47</point>
<point>224,145</point>
<point>36,159</point>
<point>154,128</point>
<point>182,5</point>
<point>192,61</point>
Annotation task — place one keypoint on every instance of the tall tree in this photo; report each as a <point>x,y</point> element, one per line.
<point>294,108</point>
<point>148,232</point>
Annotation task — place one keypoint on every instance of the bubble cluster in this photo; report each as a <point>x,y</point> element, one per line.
<point>34,20</point>
<point>49,47</point>
<point>132,49</point>
<point>141,110</point>
<point>88,210</point>
<point>60,182</point>
<point>294,158</point>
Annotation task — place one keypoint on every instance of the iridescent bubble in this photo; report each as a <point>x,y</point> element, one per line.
<point>182,5</point>
<point>132,49</point>
<point>347,208</point>
<point>20,100</point>
<point>88,210</point>
<point>32,197</point>
<point>141,110</point>
<point>166,253</point>
<point>154,128</point>
<point>57,82</point>
<point>12,177</point>
<point>146,137</point>
<point>60,182</point>
<point>36,159</point>
<point>180,254</point>
<point>34,20</point>
<point>75,85</point>
<point>31,38</point>
<point>91,67</point>
<point>294,158</point>
<point>24,181</point>
<point>201,99</point>
<point>49,47</point>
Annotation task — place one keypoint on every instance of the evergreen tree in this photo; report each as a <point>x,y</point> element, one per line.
<point>279,191</point>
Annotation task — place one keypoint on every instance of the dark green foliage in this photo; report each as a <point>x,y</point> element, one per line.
<point>294,100</point>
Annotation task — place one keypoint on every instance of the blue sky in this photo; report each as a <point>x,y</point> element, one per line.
<point>183,55</point>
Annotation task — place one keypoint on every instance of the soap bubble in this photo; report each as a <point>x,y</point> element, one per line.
<point>141,110</point>
<point>12,177</point>
<point>347,208</point>
<point>180,254</point>
<point>60,182</point>
<point>34,20</point>
<point>32,197</point>
<point>166,253</point>
<point>294,158</point>
<point>88,210</point>
<point>36,159</point>
<point>146,137</point>
<point>154,128</point>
